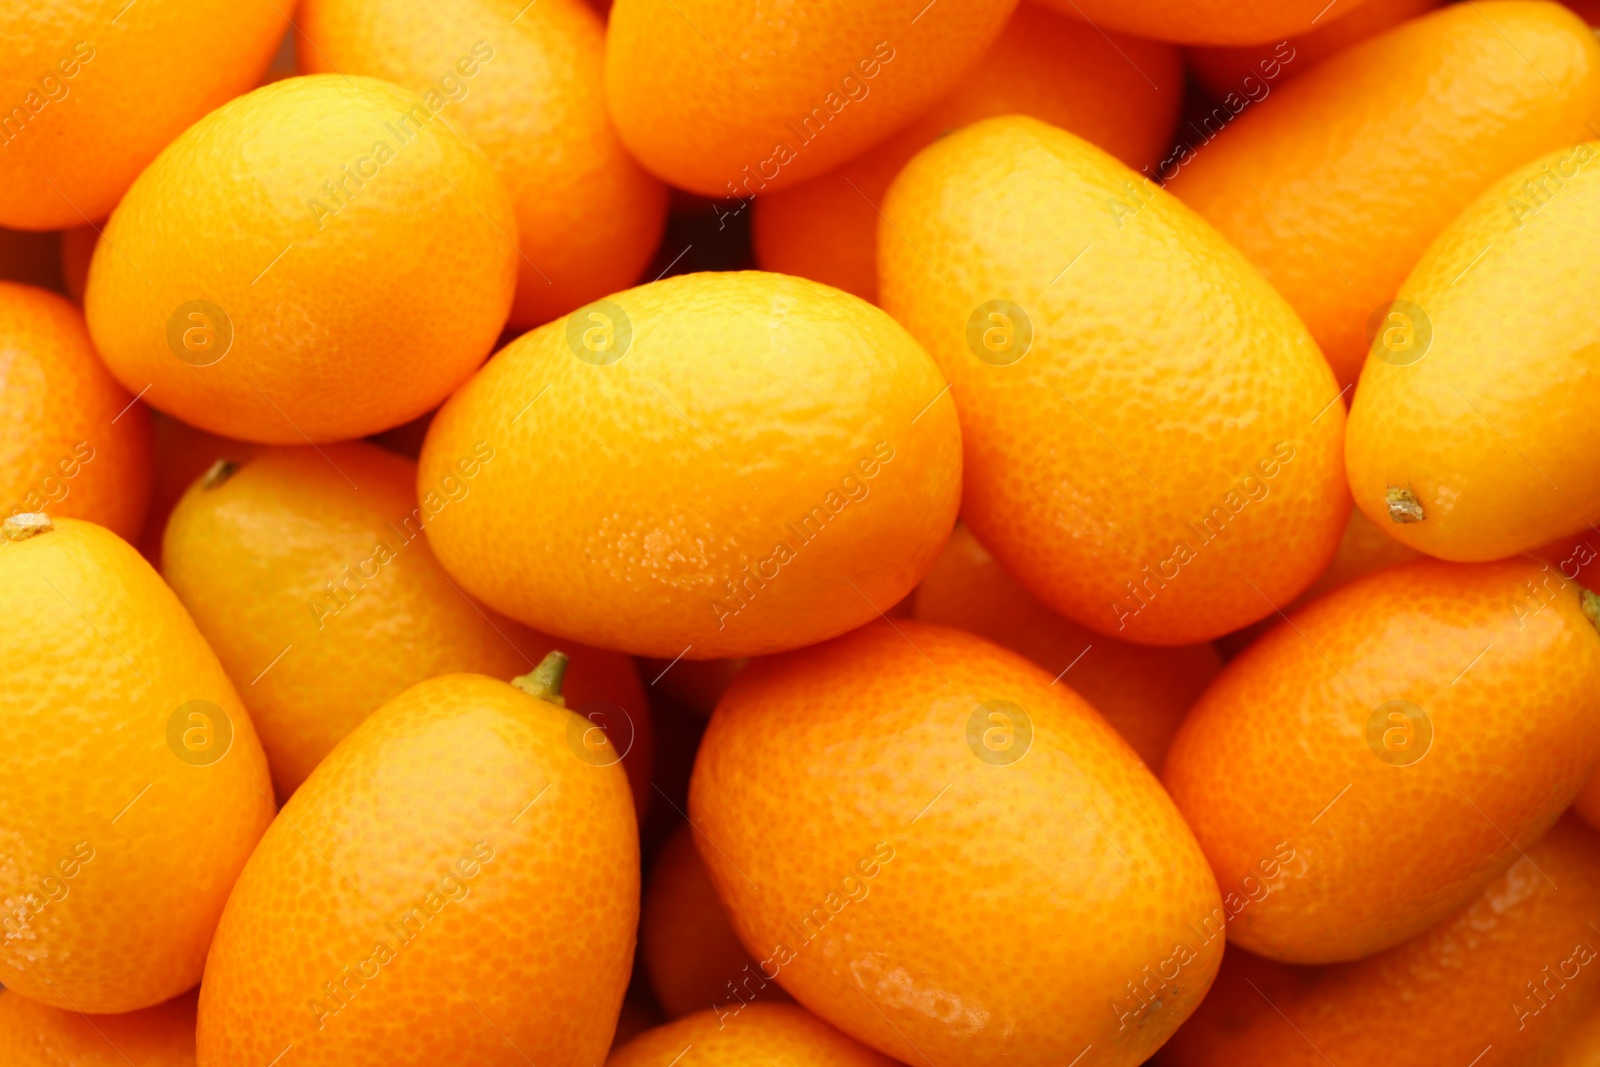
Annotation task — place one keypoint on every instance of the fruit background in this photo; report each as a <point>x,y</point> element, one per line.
<point>695,533</point>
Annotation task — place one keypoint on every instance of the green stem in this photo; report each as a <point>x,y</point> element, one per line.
<point>544,681</point>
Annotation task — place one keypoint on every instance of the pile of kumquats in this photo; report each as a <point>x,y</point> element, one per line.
<point>799,533</point>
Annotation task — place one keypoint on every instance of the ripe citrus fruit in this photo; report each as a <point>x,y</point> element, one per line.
<point>526,82</point>
<point>1504,982</point>
<point>1335,190</point>
<point>1122,94</point>
<point>1216,22</point>
<point>1143,416</point>
<point>321,259</point>
<point>1141,691</point>
<point>690,952</point>
<point>1363,549</point>
<point>777,1034</point>
<point>91,91</point>
<point>1369,735</point>
<point>742,463</point>
<point>74,441</point>
<point>1455,447</point>
<point>37,1035</point>
<point>308,571</point>
<point>723,99</point>
<point>181,455</point>
<point>454,880</point>
<point>959,811</point>
<point>1243,69</point>
<point>121,847</point>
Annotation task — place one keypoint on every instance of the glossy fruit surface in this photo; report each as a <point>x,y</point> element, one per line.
<point>1243,69</point>
<point>366,273</point>
<point>1216,22</point>
<point>1506,982</point>
<point>1120,93</point>
<point>93,91</point>
<point>1456,448</point>
<point>72,440</point>
<point>777,1034</point>
<point>525,82</point>
<point>691,954</point>
<point>37,1035</point>
<point>1336,189</point>
<point>722,99</point>
<point>121,848</point>
<point>181,455</point>
<point>945,783</point>
<point>744,462</point>
<point>1374,735</point>
<point>454,884</point>
<point>1143,416</point>
<point>308,571</point>
<point>1142,692</point>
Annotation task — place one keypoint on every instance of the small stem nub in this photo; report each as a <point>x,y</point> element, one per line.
<point>26,525</point>
<point>217,473</point>
<point>544,681</point>
<point>1403,505</point>
<point>1591,606</point>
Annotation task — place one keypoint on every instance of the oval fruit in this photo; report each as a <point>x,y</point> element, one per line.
<point>93,93</point>
<point>1504,982</point>
<point>74,441</point>
<point>526,82</point>
<point>1215,22</point>
<point>743,462</point>
<point>365,277</point>
<point>1119,93</point>
<point>1142,692</point>
<point>762,1033</point>
<point>1363,549</point>
<point>181,455</point>
<point>122,846</point>
<point>1483,444</point>
<point>724,99</point>
<point>454,879</point>
<point>37,1035</point>
<point>308,571</point>
<point>1245,69</point>
<point>1143,416</point>
<point>1368,736</point>
<point>1336,189</point>
<point>959,812</point>
<point>692,956</point>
